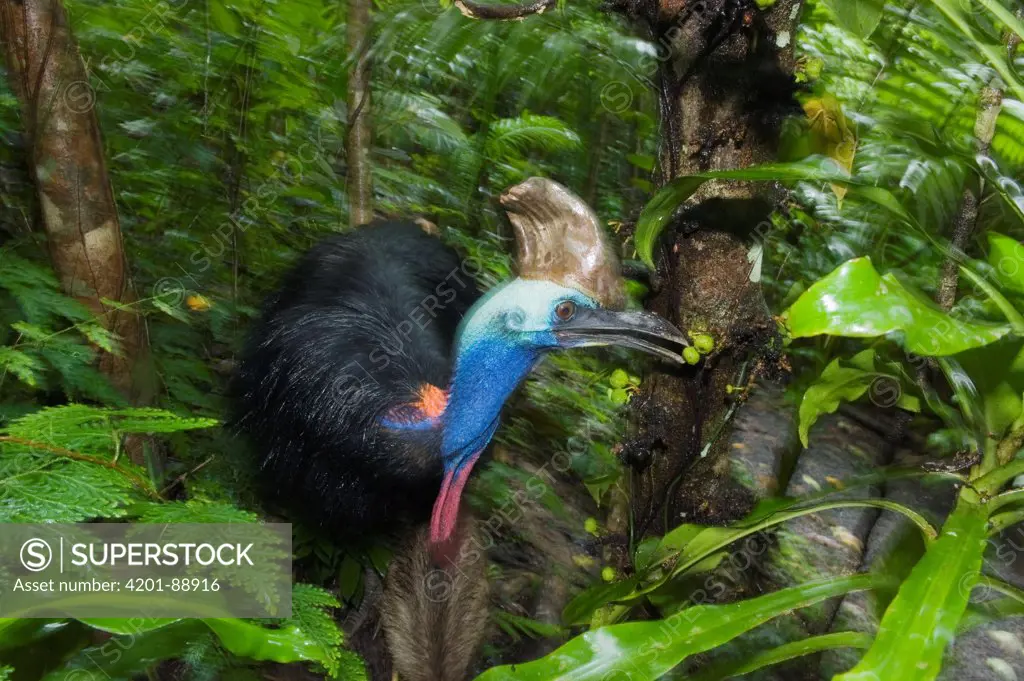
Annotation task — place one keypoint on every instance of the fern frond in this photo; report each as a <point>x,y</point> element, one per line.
<point>24,366</point>
<point>97,430</point>
<point>36,291</point>
<point>191,512</point>
<point>261,581</point>
<point>46,489</point>
<point>61,465</point>
<point>310,614</point>
<point>515,137</point>
<point>419,118</point>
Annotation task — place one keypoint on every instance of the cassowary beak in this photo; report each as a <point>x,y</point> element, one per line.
<point>639,330</point>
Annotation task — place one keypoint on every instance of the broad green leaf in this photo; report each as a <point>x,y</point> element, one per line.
<point>123,658</point>
<point>659,210</point>
<point>298,640</point>
<point>855,301</point>
<point>859,17</point>
<point>643,651</point>
<point>134,625</point>
<point>837,384</point>
<point>101,337</point>
<point>788,651</point>
<point>1006,256</point>
<point>287,644</point>
<point>923,617</point>
<point>17,632</point>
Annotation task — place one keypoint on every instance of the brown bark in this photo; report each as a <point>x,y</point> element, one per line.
<point>357,143</point>
<point>78,211</point>
<point>502,12</point>
<point>723,94</point>
<point>990,103</point>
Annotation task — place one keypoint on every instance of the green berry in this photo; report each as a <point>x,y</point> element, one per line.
<point>634,380</point>
<point>608,574</point>
<point>620,396</point>
<point>691,355</point>
<point>704,343</point>
<point>590,525</point>
<point>619,379</point>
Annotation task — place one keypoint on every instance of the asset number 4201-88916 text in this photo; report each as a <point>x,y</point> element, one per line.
<point>172,584</point>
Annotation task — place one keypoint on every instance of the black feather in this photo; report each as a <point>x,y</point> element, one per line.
<point>358,326</point>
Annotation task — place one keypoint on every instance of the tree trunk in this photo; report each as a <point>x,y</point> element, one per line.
<point>724,89</point>
<point>357,142</point>
<point>78,211</point>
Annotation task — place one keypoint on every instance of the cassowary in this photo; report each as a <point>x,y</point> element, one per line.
<point>375,379</point>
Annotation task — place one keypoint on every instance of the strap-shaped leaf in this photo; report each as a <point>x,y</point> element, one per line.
<point>687,546</point>
<point>922,618</point>
<point>788,651</point>
<point>643,651</point>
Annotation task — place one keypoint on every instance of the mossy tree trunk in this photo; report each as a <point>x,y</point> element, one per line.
<point>66,160</point>
<point>725,84</point>
<point>359,135</point>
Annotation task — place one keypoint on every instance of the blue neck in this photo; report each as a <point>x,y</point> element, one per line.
<point>485,374</point>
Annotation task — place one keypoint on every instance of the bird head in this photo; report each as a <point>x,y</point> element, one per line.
<point>536,315</point>
<point>569,294</point>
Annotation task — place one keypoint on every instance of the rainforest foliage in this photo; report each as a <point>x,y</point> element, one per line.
<point>892,263</point>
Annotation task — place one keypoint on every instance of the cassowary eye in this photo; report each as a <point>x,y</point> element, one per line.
<point>565,310</point>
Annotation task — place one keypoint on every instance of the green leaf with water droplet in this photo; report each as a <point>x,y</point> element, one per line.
<point>856,302</point>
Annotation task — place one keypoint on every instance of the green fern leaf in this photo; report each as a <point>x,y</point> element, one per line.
<point>515,137</point>
<point>24,366</point>
<point>310,614</point>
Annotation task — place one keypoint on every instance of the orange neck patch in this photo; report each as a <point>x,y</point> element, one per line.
<point>433,400</point>
<point>423,414</point>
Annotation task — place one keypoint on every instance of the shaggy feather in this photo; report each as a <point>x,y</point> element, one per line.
<point>435,616</point>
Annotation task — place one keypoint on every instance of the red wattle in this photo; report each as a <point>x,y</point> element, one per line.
<point>446,507</point>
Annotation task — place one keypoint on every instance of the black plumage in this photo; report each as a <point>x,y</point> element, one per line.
<point>359,325</point>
